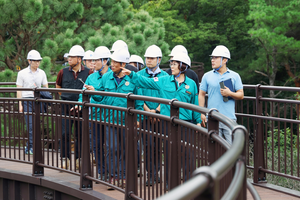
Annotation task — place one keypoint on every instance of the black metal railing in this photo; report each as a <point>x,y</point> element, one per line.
<point>180,147</point>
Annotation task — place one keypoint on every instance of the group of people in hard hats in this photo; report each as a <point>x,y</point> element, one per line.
<point>115,70</point>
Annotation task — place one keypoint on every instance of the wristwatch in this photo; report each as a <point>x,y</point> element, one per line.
<point>157,111</point>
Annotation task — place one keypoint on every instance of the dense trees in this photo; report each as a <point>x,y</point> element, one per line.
<point>276,31</point>
<point>200,25</point>
<point>52,27</point>
<point>263,36</point>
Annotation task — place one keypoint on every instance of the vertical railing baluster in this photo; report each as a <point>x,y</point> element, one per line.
<point>174,148</point>
<point>131,149</point>
<point>85,169</point>
<point>212,192</point>
<point>259,140</point>
<point>37,145</point>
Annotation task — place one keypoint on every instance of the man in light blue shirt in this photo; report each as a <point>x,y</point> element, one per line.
<point>223,99</point>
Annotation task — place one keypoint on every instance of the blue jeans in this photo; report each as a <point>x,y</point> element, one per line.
<point>225,132</point>
<point>98,147</point>
<point>115,138</point>
<point>66,128</point>
<point>154,145</point>
<point>27,107</point>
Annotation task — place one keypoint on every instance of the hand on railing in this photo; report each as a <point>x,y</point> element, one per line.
<point>204,120</point>
<point>89,87</point>
<point>152,119</point>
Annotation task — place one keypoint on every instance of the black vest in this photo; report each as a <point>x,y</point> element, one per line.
<point>69,82</point>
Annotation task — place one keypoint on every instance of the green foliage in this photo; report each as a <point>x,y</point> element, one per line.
<point>53,27</point>
<point>275,30</point>
<point>46,65</point>
<point>8,76</point>
<point>202,24</point>
<point>282,156</point>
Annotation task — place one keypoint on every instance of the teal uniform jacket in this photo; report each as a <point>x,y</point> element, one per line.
<point>186,92</point>
<point>108,83</point>
<point>151,92</point>
<point>94,80</point>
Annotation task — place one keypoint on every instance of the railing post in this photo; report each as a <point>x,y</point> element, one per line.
<point>85,184</point>
<point>213,192</point>
<point>131,149</point>
<point>259,160</point>
<point>37,144</point>
<point>174,141</point>
<point>243,156</point>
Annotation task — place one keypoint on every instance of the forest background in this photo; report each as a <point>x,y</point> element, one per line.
<point>263,36</point>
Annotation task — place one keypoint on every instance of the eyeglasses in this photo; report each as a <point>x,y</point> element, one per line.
<point>214,57</point>
<point>173,64</point>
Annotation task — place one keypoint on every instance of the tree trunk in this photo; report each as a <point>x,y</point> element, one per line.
<point>9,63</point>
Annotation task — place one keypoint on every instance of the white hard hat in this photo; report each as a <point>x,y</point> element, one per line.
<point>76,50</point>
<point>66,55</point>
<point>136,58</point>
<point>101,52</point>
<point>221,51</point>
<point>182,57</point>
<point>178,49</point>
<point>119,44</point>
<point>153,52</point>
<point>121,55</point>
<point>34,55</point>
<point>88,55</point>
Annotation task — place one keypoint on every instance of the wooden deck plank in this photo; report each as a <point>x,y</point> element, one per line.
<point>265,194</point>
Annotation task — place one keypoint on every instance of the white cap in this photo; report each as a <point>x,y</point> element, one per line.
<point>221,51</point>
<point>101,52</point>
<point>178,49</point>
<point>153,52</point>
<point>34,55</point>
<point>76,50</point>
<point>119,44</point>
<point>121,55</point>
<point>66,55</point>
<point>182,57</point>
<point>136,58</point>
<point>88,55</point>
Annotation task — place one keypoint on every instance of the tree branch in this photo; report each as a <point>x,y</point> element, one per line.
<point>259,72</point>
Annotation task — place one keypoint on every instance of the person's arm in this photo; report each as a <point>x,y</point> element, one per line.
<point>100,87</point>
<point>143,82</point>
<point>58,86</point>
<point>201,99</point>
<point>238,95</point>
<point>19,95</point>
<point>59,80</point>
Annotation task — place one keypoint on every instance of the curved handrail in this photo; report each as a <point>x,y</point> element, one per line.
<point>204,175</point>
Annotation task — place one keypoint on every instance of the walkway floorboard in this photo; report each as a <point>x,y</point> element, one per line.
<point>266,194</point>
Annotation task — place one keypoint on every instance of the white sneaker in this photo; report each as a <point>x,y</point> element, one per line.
<point>65,163</point>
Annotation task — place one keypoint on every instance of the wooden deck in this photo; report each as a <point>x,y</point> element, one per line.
<point>265,194</point>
